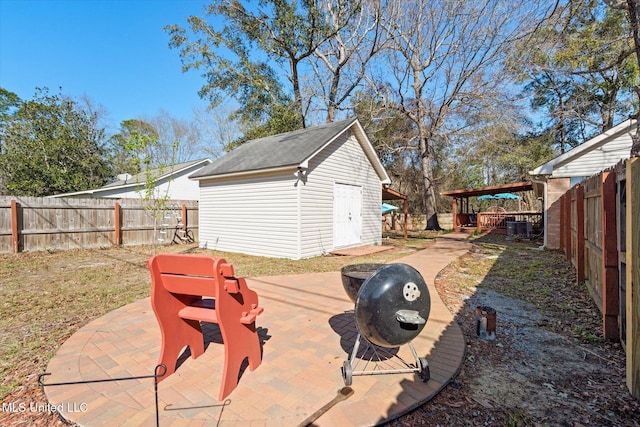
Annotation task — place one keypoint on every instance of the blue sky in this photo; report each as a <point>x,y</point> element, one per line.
<point>113,51</point>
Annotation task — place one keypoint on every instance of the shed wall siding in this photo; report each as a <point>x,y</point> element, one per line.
<point>597,159</point>
<point>256,215</point>
<point>344,162</point>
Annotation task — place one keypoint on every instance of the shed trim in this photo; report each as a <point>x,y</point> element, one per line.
<point>245,173</point>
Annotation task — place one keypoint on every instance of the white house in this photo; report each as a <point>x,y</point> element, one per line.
<point>294,195</point>
<point>555,177</point>
<point>172,181</point>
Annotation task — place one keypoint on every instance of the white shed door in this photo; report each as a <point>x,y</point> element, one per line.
<point>347,214</point>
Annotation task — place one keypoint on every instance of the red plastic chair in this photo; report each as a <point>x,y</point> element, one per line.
<point>187,290</point>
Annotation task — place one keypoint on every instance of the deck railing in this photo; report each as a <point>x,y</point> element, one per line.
<point>498,220</point>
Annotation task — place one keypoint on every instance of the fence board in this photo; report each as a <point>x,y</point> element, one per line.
<point>580,238</point>
<point>633,276</point>
<point>67,223</point>
<point>609,266</point>
<point>573,216</point>
<point>593,238</point>
<point>593,276</point>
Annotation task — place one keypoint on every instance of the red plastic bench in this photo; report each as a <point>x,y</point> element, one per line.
<point>189,289</point>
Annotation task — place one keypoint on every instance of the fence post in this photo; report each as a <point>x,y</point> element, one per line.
<point>610,297</point>
<point>15,232</point>
<point>580,225</point>
<point>633,276</point>
<point>567,226</point>
<point>184,216</point>
<point>561,229</point>
<point>117,226</point>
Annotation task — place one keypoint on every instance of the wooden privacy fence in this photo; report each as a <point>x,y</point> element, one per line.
<point>37,224</point>
<point>600,235</point>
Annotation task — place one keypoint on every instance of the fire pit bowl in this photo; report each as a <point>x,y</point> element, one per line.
<point>353,276</point>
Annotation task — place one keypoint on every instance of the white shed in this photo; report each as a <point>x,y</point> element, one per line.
<point>294,195</point>
<point>555,177</point>
<point>171,181</point>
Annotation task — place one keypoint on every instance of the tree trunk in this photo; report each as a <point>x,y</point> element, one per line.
<point>333,93</point>
<point>295,80</point>
<point>429,194</point>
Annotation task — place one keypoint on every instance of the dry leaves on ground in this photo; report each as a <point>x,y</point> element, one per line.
<point>549,364</point>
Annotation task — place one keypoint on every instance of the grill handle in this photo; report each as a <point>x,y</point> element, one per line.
<point>411,317</point>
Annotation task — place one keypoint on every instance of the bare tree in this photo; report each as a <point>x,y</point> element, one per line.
<point>218,129</point>
<point>178,140</point>
<point>633,14</point>
<point>444,56</point>
<point>341,62</point>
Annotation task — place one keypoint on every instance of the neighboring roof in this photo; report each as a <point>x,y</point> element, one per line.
<point>287,150</point>
<point>141,178</point>
<point>156,174</point>
<point>547,168</point>
<point>494,189</point>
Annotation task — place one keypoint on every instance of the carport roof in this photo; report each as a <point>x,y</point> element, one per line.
<point>494,189</point>
<point>390,194</point>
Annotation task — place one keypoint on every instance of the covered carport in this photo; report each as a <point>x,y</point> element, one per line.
<point>463,220</point>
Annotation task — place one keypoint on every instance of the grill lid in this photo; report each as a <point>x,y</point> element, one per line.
<point>392,306</point>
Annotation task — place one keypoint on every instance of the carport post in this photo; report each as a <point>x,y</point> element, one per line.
<point>454,210</point>
<point>406,213</point>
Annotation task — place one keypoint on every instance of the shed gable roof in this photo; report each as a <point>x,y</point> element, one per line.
<point>584,148</point>
<point>291,149</point>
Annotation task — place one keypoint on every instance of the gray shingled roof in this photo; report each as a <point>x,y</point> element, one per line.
<point>141,178</point>
<point>286,149</point>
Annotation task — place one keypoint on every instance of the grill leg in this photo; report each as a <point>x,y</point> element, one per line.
<point>422,365</point>
<point>415,354</point>
<point>347,367</point>
<point>356,347</point>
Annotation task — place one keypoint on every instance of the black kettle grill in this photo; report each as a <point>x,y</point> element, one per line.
<point>392,306</point>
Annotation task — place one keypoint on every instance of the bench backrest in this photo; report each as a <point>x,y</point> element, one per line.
<point>179,280</point>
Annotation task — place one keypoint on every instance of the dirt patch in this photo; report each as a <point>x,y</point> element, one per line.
<point>549,364</point>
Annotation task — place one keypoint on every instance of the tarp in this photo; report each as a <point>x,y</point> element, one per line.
<point>386,208</point>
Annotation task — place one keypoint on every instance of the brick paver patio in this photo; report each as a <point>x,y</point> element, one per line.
<point>307,331</point>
